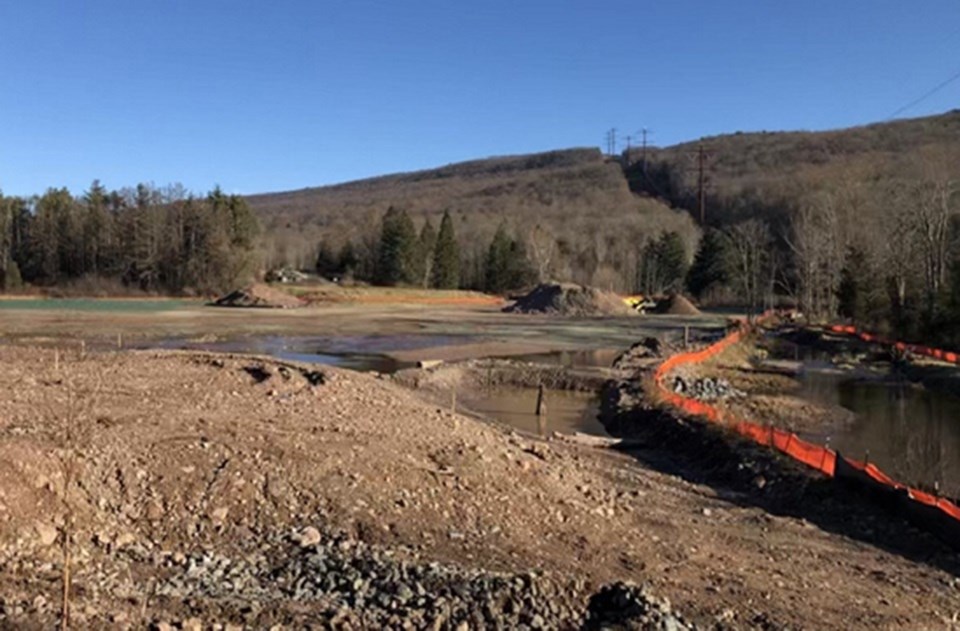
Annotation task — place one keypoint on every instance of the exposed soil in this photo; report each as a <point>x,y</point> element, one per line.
<point>570,300</point>
<point>260,295</point>
<point>769,397</point>
<point>215,489</point>
<point>677,304</point>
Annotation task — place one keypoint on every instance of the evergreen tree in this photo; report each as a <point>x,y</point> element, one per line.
<point>326,263</point>
<point>673,260</point>
<point>445,272</point>
<point>710,267</point>
<point>97,231</point>
<point>506,265</point>
<point>496,269</point>
<point>396,263</point>
<point>348,261</point>
<point>851,294</point>
<point>663,264</point>
<point>425,246</point>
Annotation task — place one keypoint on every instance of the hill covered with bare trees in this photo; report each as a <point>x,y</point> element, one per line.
<point>862,223</point>
<point>571,212</point>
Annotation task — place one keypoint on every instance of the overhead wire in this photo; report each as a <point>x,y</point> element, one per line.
<point>926,95</point>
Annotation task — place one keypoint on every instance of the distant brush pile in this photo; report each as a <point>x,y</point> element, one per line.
<point>570,300</point>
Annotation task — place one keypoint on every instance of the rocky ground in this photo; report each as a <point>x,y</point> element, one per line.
<point>202,491</point>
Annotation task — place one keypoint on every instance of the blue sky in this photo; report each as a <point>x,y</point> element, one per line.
<point>267,96</point>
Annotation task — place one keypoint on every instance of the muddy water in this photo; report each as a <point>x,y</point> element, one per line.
<point>567,412</point>
<point>911,433</point>
<point>359,352</point>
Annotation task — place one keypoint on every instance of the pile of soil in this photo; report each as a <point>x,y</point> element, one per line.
<point>570,300</point>
<point>259,295</point>
<point>677,305</point>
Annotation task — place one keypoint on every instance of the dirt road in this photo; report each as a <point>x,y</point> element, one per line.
<point>226,490</point>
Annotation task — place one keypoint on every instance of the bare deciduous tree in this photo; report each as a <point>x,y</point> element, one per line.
<point>750,244</point>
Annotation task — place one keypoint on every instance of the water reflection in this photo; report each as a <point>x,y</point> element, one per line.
<point>911,433</point>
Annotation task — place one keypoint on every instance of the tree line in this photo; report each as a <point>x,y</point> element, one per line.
<point>400,254</point>
<point>144,238</point>
<point>877,244</point>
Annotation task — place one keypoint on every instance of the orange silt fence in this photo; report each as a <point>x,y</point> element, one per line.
<point>936,514</point>
<point>918,349</point>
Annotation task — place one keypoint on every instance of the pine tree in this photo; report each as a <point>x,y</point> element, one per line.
<point>496,269</point>
<point>663,264</point>
<point>326,263</point>
<point>396,263</point>
<point>710,267</point>
<point>507,266</point>
<point>673,260</point>
<point>445,272</point>
<point>348,261</point>
<point>425,246</point>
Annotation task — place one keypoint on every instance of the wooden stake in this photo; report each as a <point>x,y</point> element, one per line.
<point>686,336</point>
<point>119,340</point>
<point>453,400</point>
<point>541,411</point>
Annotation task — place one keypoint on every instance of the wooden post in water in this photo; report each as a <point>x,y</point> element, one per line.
<point>119,340</point>
<point>541,411</point>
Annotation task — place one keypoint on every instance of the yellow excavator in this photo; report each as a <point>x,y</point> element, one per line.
<point>639,303</point>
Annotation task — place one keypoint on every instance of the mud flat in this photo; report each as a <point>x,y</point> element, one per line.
<point>216,489</point>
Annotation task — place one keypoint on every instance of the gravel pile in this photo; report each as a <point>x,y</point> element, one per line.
<point>570,300</point>
<point>309,578</point>
<point>706,388</point>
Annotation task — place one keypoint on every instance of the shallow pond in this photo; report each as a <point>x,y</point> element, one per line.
<point>566,412</point>
<point>94,304</point>
<point>911,433</point>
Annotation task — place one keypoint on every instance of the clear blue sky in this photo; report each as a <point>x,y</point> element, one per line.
<point>266,96</point>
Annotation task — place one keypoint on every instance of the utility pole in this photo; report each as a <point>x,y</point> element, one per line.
<point>644,154</point>
<point>701,192</point>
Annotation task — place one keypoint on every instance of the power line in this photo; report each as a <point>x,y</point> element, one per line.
<point>927,95</point>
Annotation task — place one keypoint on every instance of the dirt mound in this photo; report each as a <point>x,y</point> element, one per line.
<point>677,305</point>
<point>569,299</point>
<point>259,295</point>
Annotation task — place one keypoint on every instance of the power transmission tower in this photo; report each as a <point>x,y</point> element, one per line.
<point>643,155</point>
<point>611,141</point>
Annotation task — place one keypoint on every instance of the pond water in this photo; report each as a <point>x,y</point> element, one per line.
<point>356,352</point>
<point>911,433</point>
<point>94,304</point>
<point>566,412</point>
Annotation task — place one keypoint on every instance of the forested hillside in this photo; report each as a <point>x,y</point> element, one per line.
<point>859,223</point>
<point>571,212</point>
